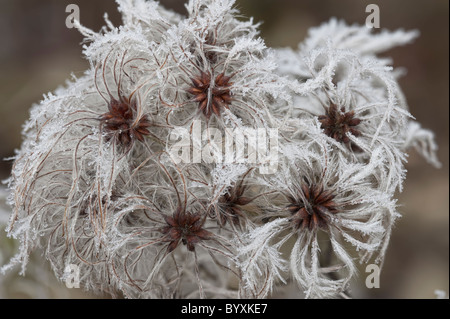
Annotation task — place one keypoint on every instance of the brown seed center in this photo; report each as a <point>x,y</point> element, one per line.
<point>338,124</point>
<point>313,209</point>
<point>212,94</point>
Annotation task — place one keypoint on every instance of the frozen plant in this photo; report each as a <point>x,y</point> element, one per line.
<point>95,185</point>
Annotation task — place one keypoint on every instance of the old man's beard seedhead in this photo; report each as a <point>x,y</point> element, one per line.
<point>94,185</point>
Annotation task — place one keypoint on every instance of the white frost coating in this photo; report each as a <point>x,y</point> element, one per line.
<point>357,38</point>
<point>423,141</point>
<point>93,184</point>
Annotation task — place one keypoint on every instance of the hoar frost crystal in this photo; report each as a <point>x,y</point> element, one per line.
<point>94,184</point>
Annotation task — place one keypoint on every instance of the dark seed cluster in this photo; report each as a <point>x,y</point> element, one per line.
<point>121,123</point>
<point>314,210</point>
<point>338,123</point>
<point>229,207</point>
<point>187,227</point>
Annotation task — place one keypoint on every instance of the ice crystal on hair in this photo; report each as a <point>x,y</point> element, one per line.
<point>95,185</point>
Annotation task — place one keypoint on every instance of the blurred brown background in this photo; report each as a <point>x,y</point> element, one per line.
<point>37,53</point>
